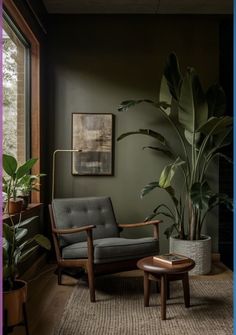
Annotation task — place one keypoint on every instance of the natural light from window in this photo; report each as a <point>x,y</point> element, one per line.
<point>14,107</point>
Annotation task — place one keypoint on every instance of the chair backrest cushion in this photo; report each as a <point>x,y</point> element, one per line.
<point>79,212</point>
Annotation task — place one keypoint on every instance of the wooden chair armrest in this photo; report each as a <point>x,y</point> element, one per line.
<point>140,224</point>
<point>73,230</point>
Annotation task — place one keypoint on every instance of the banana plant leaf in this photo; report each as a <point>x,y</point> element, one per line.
<point>216,125</point>
<point>149,187</point>
<point>193,109</point>
<point>165,94</point>
<point>173,76</point>
<point>165,151</point>
<point>216,101</point>
<point>125,105</point>
<point>168,173</point>
<point>147,132</point>
<point>201,194</point>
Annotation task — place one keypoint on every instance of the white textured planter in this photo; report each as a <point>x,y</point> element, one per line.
<point>199,251</point>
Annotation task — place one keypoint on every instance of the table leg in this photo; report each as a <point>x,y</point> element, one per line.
<point>146,285</point>
<point>163,296</point>
<point>185,282</point>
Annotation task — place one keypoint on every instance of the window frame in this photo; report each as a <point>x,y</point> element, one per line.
<point>35,150</point>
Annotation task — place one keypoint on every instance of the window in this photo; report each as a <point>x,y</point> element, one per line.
<point>16,92</point>
<point>20,33</point>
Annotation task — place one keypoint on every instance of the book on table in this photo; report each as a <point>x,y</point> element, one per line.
<point>171,259</point>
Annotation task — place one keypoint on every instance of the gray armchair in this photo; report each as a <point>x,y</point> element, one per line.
<point>86,234</point>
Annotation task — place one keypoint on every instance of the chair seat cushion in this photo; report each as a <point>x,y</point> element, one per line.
<point>113,249</point>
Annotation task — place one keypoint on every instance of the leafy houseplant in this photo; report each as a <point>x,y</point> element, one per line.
<point>198,122</point>
<point>18,182</point>
<point>17,246</point>
<point>16,249</point>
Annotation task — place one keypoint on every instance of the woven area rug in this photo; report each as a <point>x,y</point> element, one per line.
<point>119,309</point>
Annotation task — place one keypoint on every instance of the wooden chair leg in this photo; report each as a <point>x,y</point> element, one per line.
<point>146,287</point>
<point>91,282</point>
<point>59,276</point>
<point>185,282</point>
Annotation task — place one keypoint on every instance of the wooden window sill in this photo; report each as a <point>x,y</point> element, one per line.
<point>32,210</point>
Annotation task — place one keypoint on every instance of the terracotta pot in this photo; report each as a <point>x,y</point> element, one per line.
<point>14,206</point>
<point>13,303</point>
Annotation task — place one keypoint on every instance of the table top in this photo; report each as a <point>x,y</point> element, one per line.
<point>153,266</point>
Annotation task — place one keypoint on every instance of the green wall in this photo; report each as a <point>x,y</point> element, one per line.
<point>97,61</point>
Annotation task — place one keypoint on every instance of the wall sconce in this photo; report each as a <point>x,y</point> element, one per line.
<point>53,165</point>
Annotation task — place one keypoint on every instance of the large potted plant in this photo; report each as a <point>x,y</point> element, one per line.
<point>18,183</point>
<point>198,123</point>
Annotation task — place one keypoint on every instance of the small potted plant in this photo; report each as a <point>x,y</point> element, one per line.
<point>17,181</point>
<point>26,185</point>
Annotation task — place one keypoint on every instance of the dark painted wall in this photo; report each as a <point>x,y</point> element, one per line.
<point>95,62</point>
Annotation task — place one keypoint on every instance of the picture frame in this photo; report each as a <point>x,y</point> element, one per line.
<point>92,135</point>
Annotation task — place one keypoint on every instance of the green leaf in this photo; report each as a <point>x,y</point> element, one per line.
<point>227,158</point>
<point>8,233</point>
<point>193,110</point>
<point>173,76</point>
<point>169,231</point>
<point>216,125</point>
<point>25,168</point>
<point>27,253</point>
<point>42,241</point>
<point>25,222</point>
<point>165,151</point>
<point>221,198</point>
<point>224,138</point>
<point>20,233</point>
<point>170,190</point>
<point>147,132</point>
<point>169,172</point>
<point>9,165</point>
<point>125,105</point>
<point>200,195</point>
<point>165,95</point>
<point>148,188</point>
<point>216,101</point>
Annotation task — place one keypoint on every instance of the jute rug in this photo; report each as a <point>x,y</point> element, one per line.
<point>119,309</point>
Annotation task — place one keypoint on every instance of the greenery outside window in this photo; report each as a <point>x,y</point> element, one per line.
<point>29,85</point>
<point>16,92</point>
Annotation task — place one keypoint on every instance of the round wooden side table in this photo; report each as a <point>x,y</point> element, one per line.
<point>164,273</point>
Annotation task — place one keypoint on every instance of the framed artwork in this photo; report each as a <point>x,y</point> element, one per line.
<point>92,135</point>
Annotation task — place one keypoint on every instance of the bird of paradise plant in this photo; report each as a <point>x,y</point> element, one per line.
<point>202,130</point>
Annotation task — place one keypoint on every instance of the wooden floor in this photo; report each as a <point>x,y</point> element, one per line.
<point>46,299</point>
